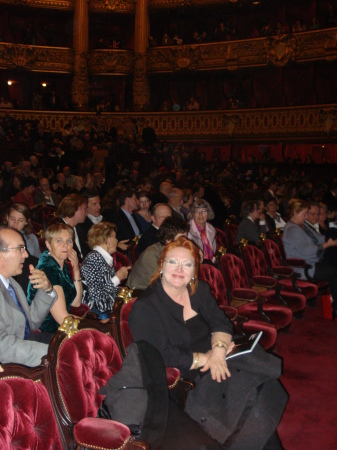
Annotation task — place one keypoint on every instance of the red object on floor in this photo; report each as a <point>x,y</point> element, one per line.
<point>309,376</point>
<point>327,306</point>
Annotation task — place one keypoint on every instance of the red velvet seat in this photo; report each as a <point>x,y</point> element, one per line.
<point>83,363</point>
<point>291,283</point>
<point>214,278</point>
<point>122,311</point>
<point>236,280</point>
<point>257,271</point>
<point>221,239</point>
<point>44,214</point>
<point>120,260</point>
<point>231,229</point>
<point>27,419</point>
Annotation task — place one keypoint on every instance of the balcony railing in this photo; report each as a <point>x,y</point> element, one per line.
<point>309,123</point>
<point>36,58</point>
<point>231,55</point>
<point>117,62</point>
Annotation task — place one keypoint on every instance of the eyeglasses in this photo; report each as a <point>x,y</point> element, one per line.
<point>174,264</point>
<point>20,247</point>
<point>201,211</point>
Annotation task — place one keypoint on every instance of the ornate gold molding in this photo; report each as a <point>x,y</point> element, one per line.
<point>315,123</point>
<point>121,6</point>
<point>165,4</point>
<point>277,50</point>
<point>69,326</point>
<point>50,4</point>
<point>119,62</point>
<point>34,58</point>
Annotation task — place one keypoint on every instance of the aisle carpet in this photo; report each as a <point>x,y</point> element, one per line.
<point>309,352</point>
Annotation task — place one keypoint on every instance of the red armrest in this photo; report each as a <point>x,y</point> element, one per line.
<point>283,271</point>
<point>173,376</point>
<point>245,295</point>
<point>265,281</point>
<point>101,433</point>
<point>296,262</point>
<point>79,311</point>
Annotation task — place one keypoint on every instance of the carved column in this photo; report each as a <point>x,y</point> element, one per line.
<point>141,91</point>
<point>80,87</point>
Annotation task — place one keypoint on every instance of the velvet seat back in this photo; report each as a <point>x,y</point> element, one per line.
<point>125,330</point>
<point>213,277</point>
<point>85,362</point>
<point>234,272</point>
<point>221,239</point>
<point>272,253</point>
<point>26,416</point>
<point>254,261</point>
<point>231,230</point>
<point>120,260</point>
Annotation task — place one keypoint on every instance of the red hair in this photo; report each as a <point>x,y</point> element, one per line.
<point>181,242</point>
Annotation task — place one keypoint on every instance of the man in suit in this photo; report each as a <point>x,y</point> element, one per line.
<point>73,210</point>
<point>46,195</point>
<point>160,212</point>
<point>94,210</point>
<point>18,320</point>
<point>125,220</point>
<point>175,200</point>
<point>251,211</point>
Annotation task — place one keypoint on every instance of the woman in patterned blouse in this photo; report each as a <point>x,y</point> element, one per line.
<point>99,277</point>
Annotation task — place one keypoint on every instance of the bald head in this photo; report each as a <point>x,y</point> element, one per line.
<point>160,212</point>
<point>165,188</point>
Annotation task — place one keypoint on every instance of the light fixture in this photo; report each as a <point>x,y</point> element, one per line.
<point>44,84</point>
<point>9,82</point>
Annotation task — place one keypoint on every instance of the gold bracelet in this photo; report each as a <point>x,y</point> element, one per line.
<point>220,344</point>
<point>77,281</point>
<point>196,361</point>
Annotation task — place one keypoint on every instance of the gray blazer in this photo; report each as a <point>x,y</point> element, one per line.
<point>13,347</point>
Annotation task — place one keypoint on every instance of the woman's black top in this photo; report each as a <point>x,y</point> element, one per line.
<point>159,320</point>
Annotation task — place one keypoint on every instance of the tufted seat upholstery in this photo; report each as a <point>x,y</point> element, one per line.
<point>257,270</point>
<point>85,362</point>
<point>274,261</point>
<point>26,416</point>
<point>214,278</point>
<point>120,260</point>
<point>236,280</point>
<point>221,239</point>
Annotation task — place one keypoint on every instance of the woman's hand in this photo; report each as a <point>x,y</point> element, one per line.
<point>72,256</point>
<point>123,273</point>
<point>217,364</point>
<point>122,244</point>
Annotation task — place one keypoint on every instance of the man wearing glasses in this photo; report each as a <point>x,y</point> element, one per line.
<point>18,321</point>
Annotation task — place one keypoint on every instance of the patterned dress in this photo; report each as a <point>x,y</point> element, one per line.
<point>99,292</point>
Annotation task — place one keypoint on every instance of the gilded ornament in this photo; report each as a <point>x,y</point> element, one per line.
<point>125,294</point>
<point>69,326</point>
<point>281,49</point>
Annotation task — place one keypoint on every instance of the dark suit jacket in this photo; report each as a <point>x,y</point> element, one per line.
<point>86,225</point>
<point>40,198</point>
<point>249,230</point>
<point>148,238</point>
<point>124,227</point>
<point>82,237</point>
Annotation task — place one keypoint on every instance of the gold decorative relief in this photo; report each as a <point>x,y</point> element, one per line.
<point>277,50</point>
<point>328,119</point>
<point>50,4</point>
<point>141,91</point>
<point>111,61</point>
<point>69,326</point>
<point>80,86</point>
<point>30,57</point>
<point>281,49</point>
<point>113,5</point>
